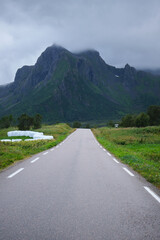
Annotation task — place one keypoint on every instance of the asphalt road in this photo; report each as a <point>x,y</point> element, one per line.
<point>77,191</point>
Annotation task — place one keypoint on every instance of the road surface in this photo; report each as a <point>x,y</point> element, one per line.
<point>77,191</point>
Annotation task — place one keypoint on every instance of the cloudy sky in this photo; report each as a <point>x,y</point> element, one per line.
<point>123,31</point>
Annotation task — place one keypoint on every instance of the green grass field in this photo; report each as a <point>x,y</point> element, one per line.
<point>137,147</point>
<point>11,152</point>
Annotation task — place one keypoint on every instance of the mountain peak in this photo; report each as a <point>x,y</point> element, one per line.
<point>58,47</point>
<point>89,52</point>
<point>51,54</point>
<point>127,66</point>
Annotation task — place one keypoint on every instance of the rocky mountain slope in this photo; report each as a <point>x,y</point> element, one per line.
<point>64,86</point>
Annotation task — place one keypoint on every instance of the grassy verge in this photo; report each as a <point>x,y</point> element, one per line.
<point>137,147</point>
<point>11,152</point>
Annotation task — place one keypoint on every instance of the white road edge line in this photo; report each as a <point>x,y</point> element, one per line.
<point>35,160</point>
<point>52,149</point>
<point>153,194</point>
<point>115,160</point>
<point>45,153</point>
<point>131,174</point>
<point>104,149</point>
<point>109,154</point>
<point>13,174</point>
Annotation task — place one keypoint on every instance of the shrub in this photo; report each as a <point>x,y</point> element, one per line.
<point>142,120</point>
<point>128,121</point>
<point>76,125</point>
<point>37,121</point>
<point>5,122</point>
<point>25,122</point>
<point>154,114</point>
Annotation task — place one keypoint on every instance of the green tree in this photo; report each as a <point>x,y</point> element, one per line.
<point>37,121</point>
<point>25,122</point>
<point>154,114</point>
<point>76,125</point>
<point>128,121</point>
<point>87,125</point>
<point>142,120</point>
<point>5,122</point>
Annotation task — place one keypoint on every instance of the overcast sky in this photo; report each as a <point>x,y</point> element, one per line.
<point>123,31</point>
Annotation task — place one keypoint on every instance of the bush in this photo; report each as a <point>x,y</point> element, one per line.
<point>142,120</point>
<point>25,122</point>
<point>37,121</point>
<point>152,118</point>
<point>5,122</point>
<point>128,121</point>
<point>154,114</point>
<point>76,125</point>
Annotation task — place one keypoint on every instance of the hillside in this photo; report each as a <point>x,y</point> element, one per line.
<point>63,86</point>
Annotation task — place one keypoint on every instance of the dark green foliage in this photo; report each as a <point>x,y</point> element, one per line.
<point>37,121</point>
<point>25,122</point>
<point>5,122</point>
<point>87,125</point>
<point>154,114</point>
<point>152,118</point>
<point>142,120</point>
<point>76,125</point>
<point>128,121</point>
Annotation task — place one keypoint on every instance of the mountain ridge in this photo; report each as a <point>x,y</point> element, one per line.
<point>65,86</point>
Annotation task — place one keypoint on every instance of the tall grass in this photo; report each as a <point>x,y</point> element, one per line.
<point>11,152</point>
<point>137,147</point>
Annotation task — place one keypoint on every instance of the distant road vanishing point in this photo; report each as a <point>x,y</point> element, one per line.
<point>76,191</point>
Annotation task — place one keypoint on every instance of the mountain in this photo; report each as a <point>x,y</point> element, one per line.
<point>155,72</point>
<point>65,86</point>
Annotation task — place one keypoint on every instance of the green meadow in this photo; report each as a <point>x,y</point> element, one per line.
<point>10,152</point>
<point>137,147</point>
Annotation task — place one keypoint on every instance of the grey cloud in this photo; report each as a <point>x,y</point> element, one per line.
<point>122,31</point>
